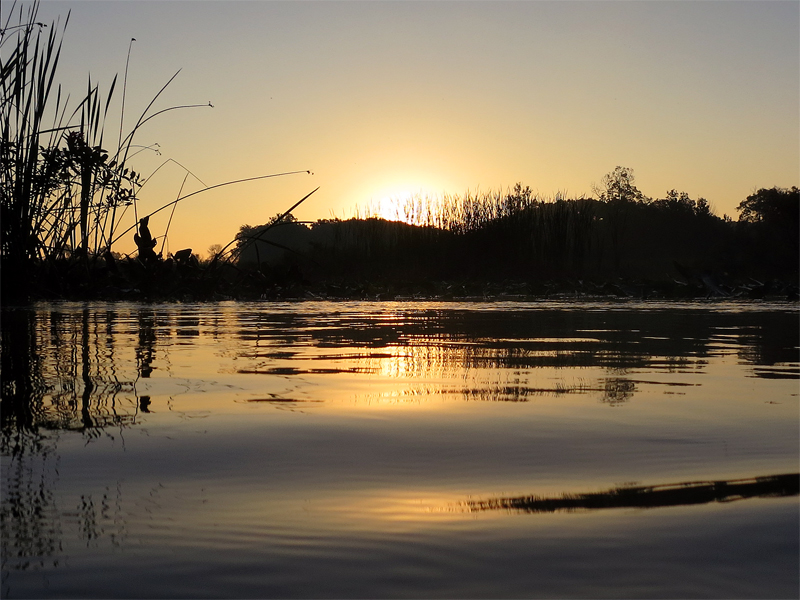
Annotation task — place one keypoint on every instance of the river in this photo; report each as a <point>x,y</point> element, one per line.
<point>389,449</point>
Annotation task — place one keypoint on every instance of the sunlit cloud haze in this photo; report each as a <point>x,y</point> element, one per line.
<point>385,99</point>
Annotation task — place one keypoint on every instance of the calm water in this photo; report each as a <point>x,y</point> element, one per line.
<point>400,449</point>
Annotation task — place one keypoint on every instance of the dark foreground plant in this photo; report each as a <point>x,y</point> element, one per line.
<point>60,190</point>
<point>63,197</point>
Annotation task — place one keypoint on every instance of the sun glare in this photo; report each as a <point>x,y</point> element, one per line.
<point>390,203</point>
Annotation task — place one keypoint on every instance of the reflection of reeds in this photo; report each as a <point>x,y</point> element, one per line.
<point>59,373</point>
<point>23,381</point>
<point>29,524</point>
<point>676,494</point>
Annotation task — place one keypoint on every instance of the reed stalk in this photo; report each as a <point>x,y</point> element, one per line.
<point>62,195</point>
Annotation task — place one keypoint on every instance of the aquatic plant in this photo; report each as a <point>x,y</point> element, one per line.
<point>60,190</point>
<point>63,196</point>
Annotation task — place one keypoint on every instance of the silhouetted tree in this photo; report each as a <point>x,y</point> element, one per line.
<point>771,206</point>
<point>619,186</point>
<point>214,249</point>
<point>620,196</point>
<point>681,203</point>
<point>769,229</point>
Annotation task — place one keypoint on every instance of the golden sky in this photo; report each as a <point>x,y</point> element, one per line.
<point>383,99</point>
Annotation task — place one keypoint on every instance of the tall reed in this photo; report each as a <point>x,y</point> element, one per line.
<point>62,195</point>
<point>60,188</point>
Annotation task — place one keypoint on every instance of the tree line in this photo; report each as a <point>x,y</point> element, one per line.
<point>618,233</point>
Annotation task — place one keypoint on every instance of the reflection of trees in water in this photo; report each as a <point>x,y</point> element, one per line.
<point>100,517</point>
<point>29,534</point>
<point>68,371</point>
<point>434,343</point>
<point>77,369</point>
<point>36,522</point>
<point>772,347</point>
<point>612,391</point>
<point>23,383</point>
<point>71,360</point>
<point>674,494</point>
<point>30,527</point>
<point>660,339</point>
<point>482,392</point>
<point>617,390</point>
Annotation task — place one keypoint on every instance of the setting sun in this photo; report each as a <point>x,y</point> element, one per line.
<point>390,203</point>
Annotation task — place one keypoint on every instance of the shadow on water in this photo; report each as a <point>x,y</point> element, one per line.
<point>656,496</point>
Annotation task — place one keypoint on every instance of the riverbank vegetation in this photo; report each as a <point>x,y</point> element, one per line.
<point>618,242</point>
<point>64,199</point>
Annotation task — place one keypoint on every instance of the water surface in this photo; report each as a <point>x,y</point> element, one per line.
<point>400,449</point>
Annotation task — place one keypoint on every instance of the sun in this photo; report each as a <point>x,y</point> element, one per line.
<point>390,203</point>
<point>399,197</point>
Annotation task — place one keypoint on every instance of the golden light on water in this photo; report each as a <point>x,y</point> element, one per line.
<point>425,361</point>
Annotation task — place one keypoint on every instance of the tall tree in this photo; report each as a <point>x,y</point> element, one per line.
<point>620,196</point>
<point>770,221</point>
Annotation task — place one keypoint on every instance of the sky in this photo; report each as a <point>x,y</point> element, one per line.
<point>380,100</point>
